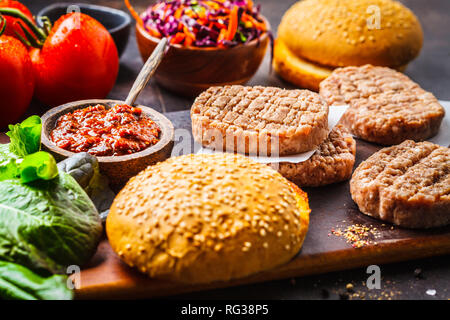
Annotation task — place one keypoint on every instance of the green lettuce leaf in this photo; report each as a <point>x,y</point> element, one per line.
<point>25,143</point>
<point>47,221</point>
<point>9,167</point>
<point>18,282</point>
<point>47,225</point>
<point>25,136</point>
<point>38,165</point>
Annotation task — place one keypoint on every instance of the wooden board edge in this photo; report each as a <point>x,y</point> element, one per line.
<point>308,265</point>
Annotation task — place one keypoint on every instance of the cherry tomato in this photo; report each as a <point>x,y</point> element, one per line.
<point>16,80</point>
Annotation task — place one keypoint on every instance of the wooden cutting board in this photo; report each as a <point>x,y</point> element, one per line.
<point>106,276</point>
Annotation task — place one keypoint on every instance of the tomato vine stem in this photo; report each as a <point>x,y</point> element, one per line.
<point>38,32</point>
<point>2,24</point>
<point>30,39</point>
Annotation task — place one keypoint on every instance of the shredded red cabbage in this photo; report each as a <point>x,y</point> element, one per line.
<point>204,23</point>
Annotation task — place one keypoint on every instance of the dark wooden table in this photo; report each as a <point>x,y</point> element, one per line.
<point>431,70</point>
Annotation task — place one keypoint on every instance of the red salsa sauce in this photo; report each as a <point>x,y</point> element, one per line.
<point>118,131</point>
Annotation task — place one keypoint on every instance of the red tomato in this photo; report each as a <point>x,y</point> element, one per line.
<point>16,80</point>
<point>79,60</point>
<point>11,23</point>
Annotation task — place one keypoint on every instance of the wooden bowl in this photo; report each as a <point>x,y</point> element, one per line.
<point>191,70</point>
<point>117,168</point>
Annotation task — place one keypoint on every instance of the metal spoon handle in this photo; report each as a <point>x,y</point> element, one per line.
<point>147,71</point>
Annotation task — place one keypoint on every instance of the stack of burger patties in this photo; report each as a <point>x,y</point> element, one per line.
<point>276,123</point>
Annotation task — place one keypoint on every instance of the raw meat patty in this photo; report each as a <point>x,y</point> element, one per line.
<point>385,106</point>
<point>333,161</point>
<point>259,120</point>
<point>407,184</point>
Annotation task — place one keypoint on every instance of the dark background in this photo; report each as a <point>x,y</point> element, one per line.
<point>431,70</point>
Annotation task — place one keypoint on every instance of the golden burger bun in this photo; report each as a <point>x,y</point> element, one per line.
<point>316,36</point>
<point>205,218</point>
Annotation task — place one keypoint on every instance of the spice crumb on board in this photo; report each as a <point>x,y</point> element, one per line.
<point>357,235</point>
<point>349,287</point>
<point>355,294</point>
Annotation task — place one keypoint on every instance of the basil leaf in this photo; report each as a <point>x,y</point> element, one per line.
<point>39,165</point>
<point>18,282</point>
<point>25,136</point>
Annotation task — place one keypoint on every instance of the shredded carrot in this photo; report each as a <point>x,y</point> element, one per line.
<point>178,13</point>
<point>256,23</point>
<point>134,13</point>
<point>154,32</point>
<point>221,17</point>
<point>188,41</point>
<point>202,14</point>
<point>222,35</point>
<point>213,5</point>
<point>188,33</point>
<point>233,23</point>
<point>179,37</point>
<point>190,13</point>
<point>250,4</point>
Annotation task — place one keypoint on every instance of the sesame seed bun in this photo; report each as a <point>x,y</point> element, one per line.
<point>205,218</point>
<point>296,70</point>
<point>316,36</point>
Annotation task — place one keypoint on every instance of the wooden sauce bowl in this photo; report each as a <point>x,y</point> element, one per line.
<point>191,70</point>
<point>117,168</point>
